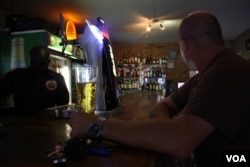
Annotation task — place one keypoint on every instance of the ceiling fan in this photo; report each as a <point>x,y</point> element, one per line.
<point>153,27</point>
<point>159,23</point>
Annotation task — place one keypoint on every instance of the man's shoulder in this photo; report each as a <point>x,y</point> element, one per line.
<point>18,71</point>
<point>55,74</point>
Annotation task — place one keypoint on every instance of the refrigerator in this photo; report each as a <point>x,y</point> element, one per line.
<point>14,53</point>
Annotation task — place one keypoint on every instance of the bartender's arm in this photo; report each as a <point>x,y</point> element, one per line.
<point>62,93</point>
<point>6,84</point>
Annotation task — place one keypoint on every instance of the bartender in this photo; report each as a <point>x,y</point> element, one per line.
<point>35,87</point>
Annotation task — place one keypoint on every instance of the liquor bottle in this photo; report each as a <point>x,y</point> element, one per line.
<point>157,88</point>
<point>148,73</point>
<point>129,60</point>
<point>147,86</point>
<point>153,61</point>
<point>121,86</point>
<point>160,72</point>
<point>164,60</point>
<point>144,61</point>
<point>132,60</point>
<point>157,61</point>
<point>153,86</point>
<point>147,60</point>
<point>138,58</point>
<point>150,86</point>
<point>135,60</point>
<point>156,72</point>
<point>153,72</point>
<point>160,60</point>
<point>150,60</point>
<point>126,59</point>
<point>138,72</point>
<point>120,72</point>
<point>124,72</point>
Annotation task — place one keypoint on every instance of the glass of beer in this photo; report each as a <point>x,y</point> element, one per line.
<point>86,77</point>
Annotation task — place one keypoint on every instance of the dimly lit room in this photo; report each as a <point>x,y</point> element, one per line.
<point>156,83</point>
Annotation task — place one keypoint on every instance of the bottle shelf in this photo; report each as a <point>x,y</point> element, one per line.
<point>134,78</point>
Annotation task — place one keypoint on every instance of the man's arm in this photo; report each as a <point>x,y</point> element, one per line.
<point>165,108</point>
<point>177,137</point>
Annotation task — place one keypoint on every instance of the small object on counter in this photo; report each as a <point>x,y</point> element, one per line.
<point>60,162</point>
<point>76,149</point>
<point>56,152</point>
<point>64,111</point>
<point>99,148</point>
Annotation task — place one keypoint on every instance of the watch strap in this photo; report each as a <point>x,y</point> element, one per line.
<point>100,121</point>
<point>95,128</point>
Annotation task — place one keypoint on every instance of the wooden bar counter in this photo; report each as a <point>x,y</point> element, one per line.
<point>24,141</point>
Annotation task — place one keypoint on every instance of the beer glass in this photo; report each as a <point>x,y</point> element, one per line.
<point>86,77</point>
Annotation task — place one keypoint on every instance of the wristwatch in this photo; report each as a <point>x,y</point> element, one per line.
<point>95,128</point>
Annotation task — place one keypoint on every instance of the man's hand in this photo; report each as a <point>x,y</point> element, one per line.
<point>166,108</point>
<point>80,122</point>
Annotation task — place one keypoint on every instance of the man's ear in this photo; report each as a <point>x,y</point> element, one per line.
<point>184,44</point>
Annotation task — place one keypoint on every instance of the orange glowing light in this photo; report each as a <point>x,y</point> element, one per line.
<point>70,31</point>
<point>76,19</point>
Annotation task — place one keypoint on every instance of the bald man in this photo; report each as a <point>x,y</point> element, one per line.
<point>208,116</point>
<point>36,87</point>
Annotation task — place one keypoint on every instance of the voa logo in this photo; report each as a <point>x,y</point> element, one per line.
<point>236,158</point>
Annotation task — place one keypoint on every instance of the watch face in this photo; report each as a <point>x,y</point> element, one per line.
<point>94,130</point>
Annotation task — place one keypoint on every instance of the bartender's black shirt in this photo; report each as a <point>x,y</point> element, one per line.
<point>33,92</point>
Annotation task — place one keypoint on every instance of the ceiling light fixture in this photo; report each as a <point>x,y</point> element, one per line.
<point>148,28</point>
<point>162,27</point>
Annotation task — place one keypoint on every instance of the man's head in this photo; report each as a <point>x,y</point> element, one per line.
<point>199,32</point>
<point>201,25</point>
<point>39,58</point>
